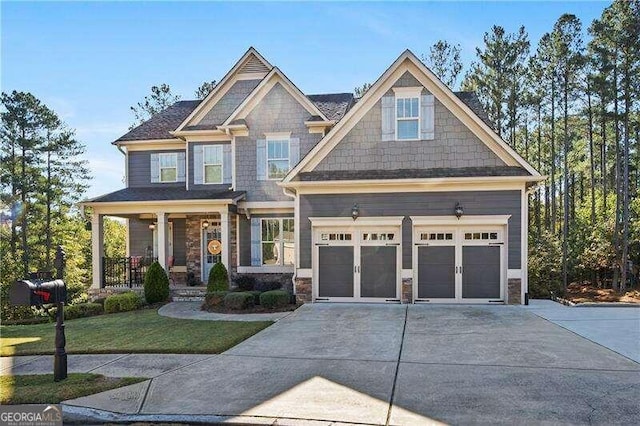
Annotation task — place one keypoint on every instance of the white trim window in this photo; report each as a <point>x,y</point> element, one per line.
<point>277,158</point>
<point>407,118</point>
<point>277,241</point>
<point>168,164</point>
<point>212,164</point>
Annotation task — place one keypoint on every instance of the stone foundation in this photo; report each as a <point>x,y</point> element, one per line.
<point>179,279</point>
<point>303,290</point>
<point>513,293</point>
<point>407,290</point>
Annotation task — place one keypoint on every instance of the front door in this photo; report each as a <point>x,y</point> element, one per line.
<point>354,264</point>
<point>211,249</point>
<point>461,264</point>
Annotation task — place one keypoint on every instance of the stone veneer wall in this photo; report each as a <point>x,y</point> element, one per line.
<point>407,290</point>
<point>513,292</point>
<point>194,250</point>
<point>303,290</point>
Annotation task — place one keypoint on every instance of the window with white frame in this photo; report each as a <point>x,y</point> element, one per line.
<point>277,158</point>
<point>212,164</point>
<point>168,163</point>
<point>277,240</point>
<point>407,117</point>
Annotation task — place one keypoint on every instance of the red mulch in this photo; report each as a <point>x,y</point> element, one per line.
<point>581,293</point>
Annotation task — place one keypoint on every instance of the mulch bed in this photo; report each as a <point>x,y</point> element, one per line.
<point>585,293</point>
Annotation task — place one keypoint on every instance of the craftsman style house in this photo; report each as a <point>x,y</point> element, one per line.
<point>406,194</point>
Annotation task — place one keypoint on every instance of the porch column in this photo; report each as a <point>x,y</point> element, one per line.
<point>97,249</point>
<point>225,230</point>
<point>162,239</point>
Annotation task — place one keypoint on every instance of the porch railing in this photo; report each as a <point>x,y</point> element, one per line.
<point>125,271</point>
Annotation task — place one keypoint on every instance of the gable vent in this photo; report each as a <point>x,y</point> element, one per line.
<point>254,66</point>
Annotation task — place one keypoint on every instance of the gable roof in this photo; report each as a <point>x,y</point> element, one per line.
<point>159,126</point>
<point>407,61</point>
<point>251,64</point>
<point>333,105</point>
<point>274,77</point>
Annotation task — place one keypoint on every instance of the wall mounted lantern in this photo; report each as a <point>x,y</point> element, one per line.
<point>458,211</point>
<point>152,226</point>
<point>355,211</point>
<point>205,224</point>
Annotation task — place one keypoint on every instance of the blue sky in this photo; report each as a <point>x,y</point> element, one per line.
<point>91,61</point>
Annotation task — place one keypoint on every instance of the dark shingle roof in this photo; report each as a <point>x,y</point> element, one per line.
<point>472,101</point>
<point>166,194</point>
<point>411,173</point>
<point>333,105</point>
<point>159,126</point>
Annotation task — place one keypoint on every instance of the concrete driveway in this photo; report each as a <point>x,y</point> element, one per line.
<point>392,364</point>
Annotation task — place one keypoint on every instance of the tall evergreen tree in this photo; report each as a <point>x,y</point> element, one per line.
<point>160,99</point>
<point>444,61</point>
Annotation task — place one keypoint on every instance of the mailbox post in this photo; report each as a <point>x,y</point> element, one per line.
<point>38,293</point>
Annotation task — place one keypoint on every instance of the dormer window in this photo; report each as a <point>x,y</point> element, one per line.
<point>407,113</point>
<point>168,163</point>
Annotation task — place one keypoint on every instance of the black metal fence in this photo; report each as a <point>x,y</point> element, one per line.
<point>125,271</point>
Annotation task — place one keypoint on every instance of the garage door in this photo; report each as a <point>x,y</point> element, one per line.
<point>458,265</point>
<point>357,264</point>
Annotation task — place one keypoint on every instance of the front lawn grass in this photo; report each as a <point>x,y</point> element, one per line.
<point>41,389</point>
<point>142,331</point>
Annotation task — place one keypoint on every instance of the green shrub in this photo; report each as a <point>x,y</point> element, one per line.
<point>81,310</point>
<point>215,298</point>
<point>545,266</point>
<point>274,299</point>
<point>122,302</point>
<point>156,284</point>
<point>256,296</point>
<point>218,278</point>
<point>238,300</point>
<point>245,282</point>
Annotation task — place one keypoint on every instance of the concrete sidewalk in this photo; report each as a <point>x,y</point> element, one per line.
<point>616,328</point>
<point>390,364</point>
<point>191,310</point>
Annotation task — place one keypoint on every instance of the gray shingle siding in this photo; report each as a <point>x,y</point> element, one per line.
<point>229,102</point>
<point>180,241</point>
<point>221,187</point>
<point>412,204</point>
<point>277,112</point>
<point>454,144</point>
<point>140,170</point>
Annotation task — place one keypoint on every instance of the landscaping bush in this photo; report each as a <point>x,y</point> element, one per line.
<point>192,280</point>
<point>218,278</point>
<point>81,310</point>
<point>156,284</point>
<point>263,286</point>
<point>245,282</point>
<point>122,302</point>
<point>215,298</point>
<point>274,299</point>
<point>238,300</point>
<point>256,297</point>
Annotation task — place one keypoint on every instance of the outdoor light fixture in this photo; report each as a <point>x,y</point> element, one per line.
<point>205,224</point>
<point>355,211</point>
<point>152,226</point>
<point>458,211</point>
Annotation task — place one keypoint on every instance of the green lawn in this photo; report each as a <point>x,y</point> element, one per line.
<point>41,389</point>
<point>141,331</point>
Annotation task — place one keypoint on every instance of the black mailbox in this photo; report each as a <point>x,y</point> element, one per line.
<point>36,293</point>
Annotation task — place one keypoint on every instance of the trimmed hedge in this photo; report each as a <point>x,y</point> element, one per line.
<point>156,284</point>
<point>238,300</point>
<point>218,278</point>
<point>122,302</point>
<point>245,282</point>
<point>214,298</point>
<point>82,310</point>
<point>263,286</point>
<point>274,299</point>
<point>256,297</point>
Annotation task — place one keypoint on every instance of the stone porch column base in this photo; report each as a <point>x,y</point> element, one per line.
<point>513,291</point>
<point>303,290</point>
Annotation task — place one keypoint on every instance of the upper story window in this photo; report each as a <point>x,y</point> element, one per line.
<point>278,163</point>
<point>168,163</point>
<point>408,117</point>
<point>212,164</point>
